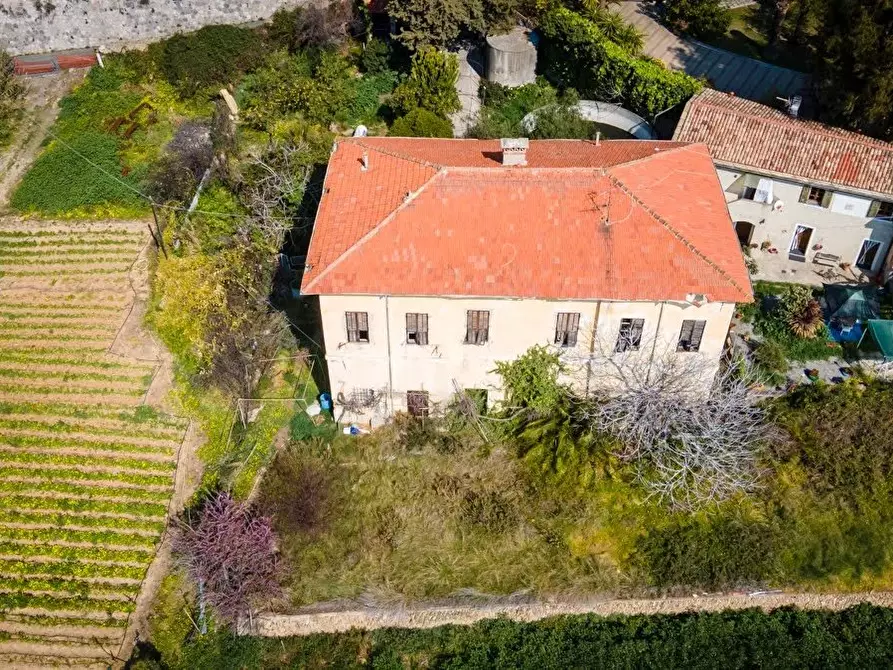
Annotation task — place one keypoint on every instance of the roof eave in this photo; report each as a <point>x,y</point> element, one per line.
<point>831,185</point>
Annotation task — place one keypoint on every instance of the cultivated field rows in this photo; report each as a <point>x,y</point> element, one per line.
<point>86,469</point>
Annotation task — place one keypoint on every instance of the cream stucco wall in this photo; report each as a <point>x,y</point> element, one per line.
<point>391,366</point>
<point>840,229</point>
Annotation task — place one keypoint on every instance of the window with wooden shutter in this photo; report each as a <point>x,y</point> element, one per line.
<point>417,403</point>
<point>416,328</point>
<point>691,334</point>
<point>566,326</point>
<point>630,336</point>
<point>357,326</point>
<point>477,326</point>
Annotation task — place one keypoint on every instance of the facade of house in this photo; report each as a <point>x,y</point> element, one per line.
<point>812,201</point>
<point>434,259</point>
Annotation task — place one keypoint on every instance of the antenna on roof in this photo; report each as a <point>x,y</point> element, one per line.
<point>792,105</point>
<point>598,137</point>
<point>365,161</point>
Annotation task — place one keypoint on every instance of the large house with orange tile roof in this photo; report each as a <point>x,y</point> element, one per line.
<point>814,202</point>
<point>435,258</point>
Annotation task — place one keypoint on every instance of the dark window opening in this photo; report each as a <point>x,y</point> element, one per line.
<point>416,328</point>
<point>477,327</point>
<point>816,196</point>
<point>357,326</point>
<point>885,210</point>
<point>567,324</point>
<point>691,335</point>
<point>749,192</point>
<point>417,403</point>
<point>630,336</point>
<point>868,254</point>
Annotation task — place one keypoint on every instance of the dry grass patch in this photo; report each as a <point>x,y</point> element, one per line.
<point>368,516</point>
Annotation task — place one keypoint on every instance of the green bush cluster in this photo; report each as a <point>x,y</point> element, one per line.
<point>431,84</point>
<point>421,123</point>
<point>504,108</point>
<point>210,57</point>
<point>576,54</point>
<point>698,18</point>
<point>785,638</point>
<point>770,313</point>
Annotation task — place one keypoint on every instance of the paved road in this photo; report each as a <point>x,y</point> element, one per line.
<point>726,71</point>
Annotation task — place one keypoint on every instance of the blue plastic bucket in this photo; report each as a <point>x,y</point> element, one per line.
<point>325,401</point>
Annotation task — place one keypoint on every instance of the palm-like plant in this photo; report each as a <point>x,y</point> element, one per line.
<point>613,25</point>
<point>807,321</point>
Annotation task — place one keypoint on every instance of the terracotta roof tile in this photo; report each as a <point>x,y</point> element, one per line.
<point>747,134</point>
<point>624,220</point>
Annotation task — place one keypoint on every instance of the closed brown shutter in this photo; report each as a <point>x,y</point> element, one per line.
<point>477,326</point>
<point>422,329</point>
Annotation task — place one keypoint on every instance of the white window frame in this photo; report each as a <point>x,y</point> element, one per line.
<point>794,237</point>
<point>879,255</point>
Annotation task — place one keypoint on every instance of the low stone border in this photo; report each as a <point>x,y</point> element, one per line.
<point>287,625</point>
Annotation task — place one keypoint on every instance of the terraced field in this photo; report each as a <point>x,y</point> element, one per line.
<point>86,469</point>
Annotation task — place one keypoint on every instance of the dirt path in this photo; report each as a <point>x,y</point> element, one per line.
<point>274,625</point>
<point>41,108</point>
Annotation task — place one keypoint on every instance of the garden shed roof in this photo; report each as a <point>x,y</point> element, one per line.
<point>745,134</point>
<point>615,220</point>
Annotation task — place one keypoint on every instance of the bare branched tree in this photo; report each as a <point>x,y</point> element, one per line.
<point>231,554</point>
<point>695,434</point>
<point>275,185</point>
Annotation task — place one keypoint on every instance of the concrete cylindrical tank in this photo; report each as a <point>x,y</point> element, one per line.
<point>511,58</point>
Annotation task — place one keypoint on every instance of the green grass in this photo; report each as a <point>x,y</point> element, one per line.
<point>148,510</point>
<point>425,525</point>
<point>71,569</point>
<point>88,169</point>
<point>138,556</point>
<point>746,36</point>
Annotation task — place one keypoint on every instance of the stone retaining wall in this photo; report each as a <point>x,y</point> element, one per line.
<point>38,26</point>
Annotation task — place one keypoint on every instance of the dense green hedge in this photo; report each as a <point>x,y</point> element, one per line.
<point>854,638</point>
<point>576,54</point>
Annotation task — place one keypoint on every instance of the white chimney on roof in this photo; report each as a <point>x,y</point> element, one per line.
<point>514,150</point>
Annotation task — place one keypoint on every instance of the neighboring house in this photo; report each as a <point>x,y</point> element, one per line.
<point>435,258</point>
<point>821,197</point>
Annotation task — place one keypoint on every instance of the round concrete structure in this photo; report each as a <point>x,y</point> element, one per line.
<point>604,113</point>
<point>511,58</point>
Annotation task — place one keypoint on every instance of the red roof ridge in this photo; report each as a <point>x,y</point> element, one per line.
<point>779,118</point>
<point>661,220</point>
<point>396,154</point>
<point>410,196</point>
